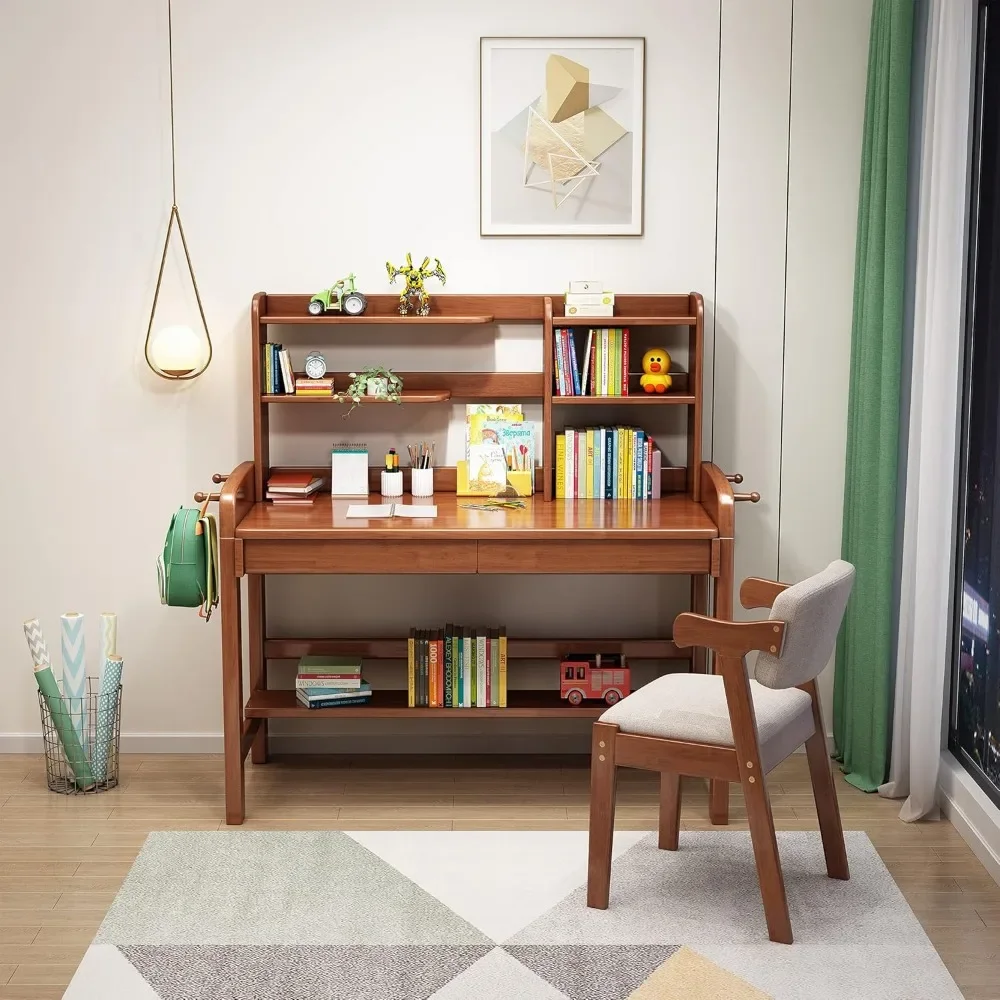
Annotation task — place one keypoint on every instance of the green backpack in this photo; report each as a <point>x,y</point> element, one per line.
<point>188,570</point>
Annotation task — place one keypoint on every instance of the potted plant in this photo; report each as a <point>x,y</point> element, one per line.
<point>374,381</point>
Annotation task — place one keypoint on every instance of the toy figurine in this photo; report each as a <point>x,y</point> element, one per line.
<point>655,368</point>
<point>340,297</point>
<point>415,294</point>
<point>606,678</point>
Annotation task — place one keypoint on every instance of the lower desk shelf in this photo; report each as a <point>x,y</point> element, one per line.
<point>392,704</point>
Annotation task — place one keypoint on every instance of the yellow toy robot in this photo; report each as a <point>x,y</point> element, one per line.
<point>415,294</point>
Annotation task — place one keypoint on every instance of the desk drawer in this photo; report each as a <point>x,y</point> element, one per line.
<point>358,556</point>
<point>603,556</point>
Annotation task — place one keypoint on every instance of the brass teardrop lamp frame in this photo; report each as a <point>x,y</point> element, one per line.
<point>175,216</point>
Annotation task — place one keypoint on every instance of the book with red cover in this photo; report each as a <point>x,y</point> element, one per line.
<point>291,479</point>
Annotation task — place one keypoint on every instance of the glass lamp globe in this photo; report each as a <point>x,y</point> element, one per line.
<point>177,352</point>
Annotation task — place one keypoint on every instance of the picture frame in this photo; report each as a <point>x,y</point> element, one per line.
<point>562,136</point>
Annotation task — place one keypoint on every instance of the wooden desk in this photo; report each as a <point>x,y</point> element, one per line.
<point>673,535</point>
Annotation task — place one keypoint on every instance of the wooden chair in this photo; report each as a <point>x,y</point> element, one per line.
<point>727,726</point>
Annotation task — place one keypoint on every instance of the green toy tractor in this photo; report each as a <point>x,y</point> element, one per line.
<point>340,297</point>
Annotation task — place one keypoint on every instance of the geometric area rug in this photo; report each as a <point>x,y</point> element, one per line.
<point>395,915</point>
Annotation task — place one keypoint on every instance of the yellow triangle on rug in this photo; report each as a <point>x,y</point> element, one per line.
<point>686,975</point>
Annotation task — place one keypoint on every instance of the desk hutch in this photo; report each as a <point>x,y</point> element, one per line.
<point>689,530</point>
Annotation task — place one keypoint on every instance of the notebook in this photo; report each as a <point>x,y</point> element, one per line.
<point>391,510</point>
<point>349,470</point>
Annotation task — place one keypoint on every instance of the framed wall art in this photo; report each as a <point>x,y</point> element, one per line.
<point>561,136</point>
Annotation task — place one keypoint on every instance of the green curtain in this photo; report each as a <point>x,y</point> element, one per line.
<point>862,693</point>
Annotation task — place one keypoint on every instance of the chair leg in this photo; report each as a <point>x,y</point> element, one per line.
<point>718,801</point>
<point>670,810</point>
<point>765,849</point>
<point>603,775</point>
<point>827,808</point>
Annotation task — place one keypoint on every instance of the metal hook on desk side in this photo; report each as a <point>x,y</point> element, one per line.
<point>200,497</point>
<point>736,477</point>
<point>752,497</point>
<point>221,478</point>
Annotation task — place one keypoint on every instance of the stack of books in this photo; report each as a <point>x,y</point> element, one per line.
<point>588,298</point>
<point>602,370</point>
<point>607,463</point>
<point>457,667</point>
<point>293,487</point>
<point>305,386</point>
<point>278,377</point>
<point>331,682</point>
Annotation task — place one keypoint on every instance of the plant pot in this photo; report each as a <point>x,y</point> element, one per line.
<point>377,387</point>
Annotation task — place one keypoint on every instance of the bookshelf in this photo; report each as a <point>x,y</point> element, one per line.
<point>688,530</point>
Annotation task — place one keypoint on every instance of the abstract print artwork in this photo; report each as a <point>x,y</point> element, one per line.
<point>561,140</point>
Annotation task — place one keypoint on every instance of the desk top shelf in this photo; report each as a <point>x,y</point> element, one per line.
<point>680,316</point>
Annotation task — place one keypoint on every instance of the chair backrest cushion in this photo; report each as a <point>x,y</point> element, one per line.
<point>812,611</point>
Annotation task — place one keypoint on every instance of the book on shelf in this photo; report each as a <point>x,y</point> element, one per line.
<point>293,487</point>
<point>277,376</point>
<point>457,667</point>
<point>607,463</point>
<point>305,386</point>
<point>328,672</point>
<point>601,370</point>
<point>352,698</point>
<point>308,695</point>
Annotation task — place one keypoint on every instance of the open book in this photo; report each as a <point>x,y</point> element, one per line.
<point>391,510</point>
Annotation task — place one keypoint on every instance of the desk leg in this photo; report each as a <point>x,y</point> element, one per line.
<point>256,626</point>
<point>232,682</point>
<point>699,605</point>
<point>718,797</point>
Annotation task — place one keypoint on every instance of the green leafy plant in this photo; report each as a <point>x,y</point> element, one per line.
<point>358,388</point>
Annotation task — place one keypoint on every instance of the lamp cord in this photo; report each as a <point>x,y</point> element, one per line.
<point>175,215</point>
<point>170,63</point>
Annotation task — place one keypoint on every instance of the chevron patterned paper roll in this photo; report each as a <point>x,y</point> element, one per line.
<point>107,707</point>
<point>46,682</point>
<point>109,636</point>
<point>74,663</point>
<point>36,644</point>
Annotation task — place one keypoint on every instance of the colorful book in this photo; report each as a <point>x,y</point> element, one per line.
<point>332,694</point>
<point>341,666</point>
<point>494,661</point>
<point>502,669</point>
<point>449,668</point>
<point>411,687</point>
<point>328,681</point>
<point>625,349</point>
<point>467,673</point>
<point>585,385</point>
<point>561,467</point>
<point>480,669</point>
<point>574,364</point>
<point>336,703</point>
<point>455,662</point>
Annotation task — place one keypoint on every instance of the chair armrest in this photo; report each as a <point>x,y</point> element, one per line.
<point>758,593</point>
<point>728,638</point>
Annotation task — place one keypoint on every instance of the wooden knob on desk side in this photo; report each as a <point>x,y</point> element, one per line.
<point>736,477</point>
<point>220,478</point>
<point>200,497</point>
<point>752,497</point>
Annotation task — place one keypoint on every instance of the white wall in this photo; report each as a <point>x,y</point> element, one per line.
<point>750,198</point>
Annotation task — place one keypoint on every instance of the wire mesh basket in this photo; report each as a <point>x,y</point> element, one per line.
<point>81,738</point>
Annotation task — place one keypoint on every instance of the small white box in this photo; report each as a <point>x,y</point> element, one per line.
<point>586,286</point>
<point>590,299</point>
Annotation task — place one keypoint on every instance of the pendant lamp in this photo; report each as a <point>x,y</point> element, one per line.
<point>176,352</point>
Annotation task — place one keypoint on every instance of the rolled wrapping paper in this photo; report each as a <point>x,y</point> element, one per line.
<point>74,679</point>
<point>107,707</point>
<point>46,682</point>
<point>109,636</point>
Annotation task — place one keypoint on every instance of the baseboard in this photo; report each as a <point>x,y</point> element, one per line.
<point>313,743</point>
<point>971,812</point>
<point>131,743</point>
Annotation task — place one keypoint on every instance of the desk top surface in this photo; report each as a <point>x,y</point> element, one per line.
<point>671,518</point>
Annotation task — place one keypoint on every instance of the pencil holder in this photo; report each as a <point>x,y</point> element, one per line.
<point>392,484</point>
<point>422,482</point>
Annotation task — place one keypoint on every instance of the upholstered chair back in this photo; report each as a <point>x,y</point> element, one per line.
<point>813,611</point>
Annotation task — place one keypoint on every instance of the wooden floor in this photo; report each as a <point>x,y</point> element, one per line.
<point>63,858</point>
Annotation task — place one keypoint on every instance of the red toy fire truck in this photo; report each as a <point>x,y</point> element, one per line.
<point>597,677</point>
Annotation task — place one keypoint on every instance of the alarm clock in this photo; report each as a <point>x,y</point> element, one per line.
<point>315,365</point>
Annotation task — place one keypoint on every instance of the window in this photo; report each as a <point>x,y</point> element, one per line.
<point>974,720</point>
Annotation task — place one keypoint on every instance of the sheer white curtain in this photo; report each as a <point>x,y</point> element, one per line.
<point>928,531</point>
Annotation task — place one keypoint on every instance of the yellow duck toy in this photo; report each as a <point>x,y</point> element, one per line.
<point>655,366</point>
